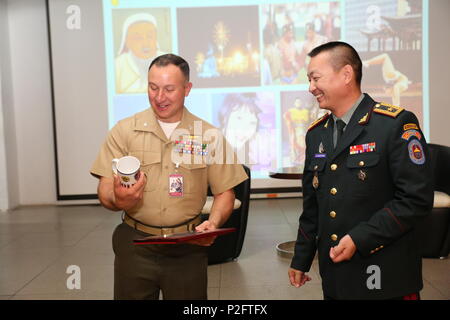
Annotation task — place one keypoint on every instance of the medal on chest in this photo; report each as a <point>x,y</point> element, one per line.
<point>362,175</point>
<point>315,181</point>
<point>190,144</point>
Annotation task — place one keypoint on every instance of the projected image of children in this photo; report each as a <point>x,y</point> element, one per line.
<point>290,32</point>
<point>140,36</point>
<point>222,44</point>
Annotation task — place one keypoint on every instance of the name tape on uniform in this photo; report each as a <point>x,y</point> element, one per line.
<point>410,126</point>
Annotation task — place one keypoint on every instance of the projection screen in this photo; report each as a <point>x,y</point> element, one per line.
<point>248,62</point>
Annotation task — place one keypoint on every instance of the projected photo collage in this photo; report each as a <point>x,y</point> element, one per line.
<point>248,64</point>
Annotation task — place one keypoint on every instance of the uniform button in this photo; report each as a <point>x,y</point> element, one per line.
<point>372,252</point>
<point>381,247</point>
<point>333,214</point>
<point>333,191</point>
<point>361,163</point>
<point>333,167</point>
<point>334,237</point>
<point>316,167</point>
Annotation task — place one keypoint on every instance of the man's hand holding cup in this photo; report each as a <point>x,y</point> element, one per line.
<point>129,182</point>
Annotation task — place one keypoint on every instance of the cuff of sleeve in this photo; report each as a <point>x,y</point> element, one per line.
<point>361,243</point>
<point>300,264</point>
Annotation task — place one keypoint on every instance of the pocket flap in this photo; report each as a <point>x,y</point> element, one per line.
<point>363,160</point>
<point>193,166</point>
<point>147,157</point>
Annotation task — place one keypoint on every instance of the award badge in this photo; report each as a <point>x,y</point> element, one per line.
<point>176,183</point>
<point>315,181</point>
<point>362,175</point>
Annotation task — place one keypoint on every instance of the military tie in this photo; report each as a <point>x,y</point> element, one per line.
<point>340,125</point>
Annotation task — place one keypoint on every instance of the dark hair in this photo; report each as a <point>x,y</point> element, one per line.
<point>235,101</point>
<point>341,54</point>
<point>166,59</point>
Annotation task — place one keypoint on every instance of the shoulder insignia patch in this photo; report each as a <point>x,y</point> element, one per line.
<point>415,150</point>
<point>387,109</point>
<point>410,126</point>
<point>318,121</point>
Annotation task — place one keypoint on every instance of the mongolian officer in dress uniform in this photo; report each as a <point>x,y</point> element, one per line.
<point>169,195</point>
<point>366,185</point>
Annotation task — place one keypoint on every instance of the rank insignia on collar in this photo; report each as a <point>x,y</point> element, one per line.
<point>363,119</point>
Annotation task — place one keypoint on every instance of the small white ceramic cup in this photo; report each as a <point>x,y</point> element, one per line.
<point>127,168</point>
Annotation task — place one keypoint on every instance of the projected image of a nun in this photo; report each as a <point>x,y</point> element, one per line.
<point>139,46</point>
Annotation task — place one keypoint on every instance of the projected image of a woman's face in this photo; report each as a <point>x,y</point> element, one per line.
<point>241,126</point>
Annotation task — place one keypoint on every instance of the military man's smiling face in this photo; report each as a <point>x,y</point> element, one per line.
<point>167,89</point>
<point>325,83</point>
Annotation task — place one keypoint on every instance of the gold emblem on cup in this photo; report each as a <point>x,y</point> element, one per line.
<point>127,168</point>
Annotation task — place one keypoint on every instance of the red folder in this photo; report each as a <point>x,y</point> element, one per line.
<point>183,237</point>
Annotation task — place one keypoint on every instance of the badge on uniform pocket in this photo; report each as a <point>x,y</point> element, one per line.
<point>176,185</point>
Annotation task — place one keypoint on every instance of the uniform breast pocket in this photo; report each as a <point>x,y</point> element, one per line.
<point>194,178</point>
<point>362,173</point>
<point>151,166</point>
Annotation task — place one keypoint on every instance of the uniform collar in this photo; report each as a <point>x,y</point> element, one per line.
<point>147,121</point>
<point>346,117</point>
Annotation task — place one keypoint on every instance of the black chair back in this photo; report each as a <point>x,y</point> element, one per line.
<point>440,162</point>
<point>229,246</point>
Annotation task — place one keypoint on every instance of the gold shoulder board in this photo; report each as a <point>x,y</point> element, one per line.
<point>318,121</point>
<point>387,109</point>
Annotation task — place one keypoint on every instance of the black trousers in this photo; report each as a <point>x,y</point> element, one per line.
<point>142,271</point>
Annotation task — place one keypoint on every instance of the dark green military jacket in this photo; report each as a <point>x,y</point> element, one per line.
<point>375,186</point>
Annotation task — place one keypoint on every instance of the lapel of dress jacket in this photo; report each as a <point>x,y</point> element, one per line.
<point>327,137</point>
<point>354,128</point>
